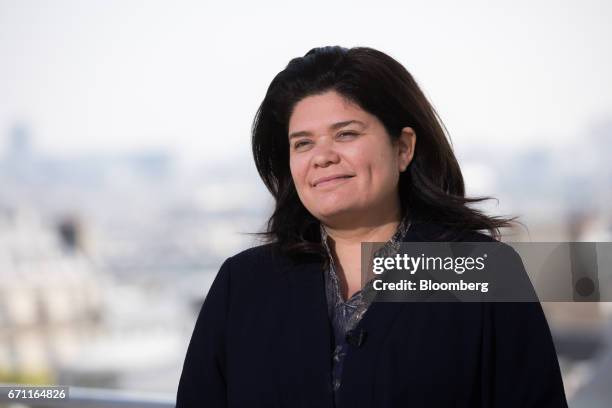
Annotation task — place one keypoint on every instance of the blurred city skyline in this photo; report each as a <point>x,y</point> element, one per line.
<point>187,77</point>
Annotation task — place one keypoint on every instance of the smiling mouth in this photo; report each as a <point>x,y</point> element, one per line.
<point>333,181</point>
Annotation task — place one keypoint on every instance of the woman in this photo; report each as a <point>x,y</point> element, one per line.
<point>353,152</point>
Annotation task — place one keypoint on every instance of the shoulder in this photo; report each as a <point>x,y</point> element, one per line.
<point>256,265</point>
<point>433,231</point>
<point>253,277</point>
<point>436,232</point>
<point>261,256</point>
<point>264,252</point>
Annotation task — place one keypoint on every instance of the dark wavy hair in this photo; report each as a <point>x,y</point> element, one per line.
<point>432,187</point>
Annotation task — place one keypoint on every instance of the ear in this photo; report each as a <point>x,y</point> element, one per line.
<point>406,144</point>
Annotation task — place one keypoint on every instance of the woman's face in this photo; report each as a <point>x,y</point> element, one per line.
<point>343,162</point>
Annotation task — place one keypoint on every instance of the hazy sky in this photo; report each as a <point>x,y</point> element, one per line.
<point>118,76</point>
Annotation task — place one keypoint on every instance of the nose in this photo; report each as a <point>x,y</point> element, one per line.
<point>325,154</point>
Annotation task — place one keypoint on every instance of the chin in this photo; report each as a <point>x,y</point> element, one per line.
<point>334,212</point>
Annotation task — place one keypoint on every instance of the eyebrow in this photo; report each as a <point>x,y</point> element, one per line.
<point>334,126</point>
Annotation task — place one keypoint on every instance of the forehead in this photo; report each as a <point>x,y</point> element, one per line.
<point>319,111</point>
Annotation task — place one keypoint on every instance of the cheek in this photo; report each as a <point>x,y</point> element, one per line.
<point>368,158</point>
<point>298,170</point>
<point>378,171</point>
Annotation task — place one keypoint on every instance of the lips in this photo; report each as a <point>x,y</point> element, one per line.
<point>330,178</point>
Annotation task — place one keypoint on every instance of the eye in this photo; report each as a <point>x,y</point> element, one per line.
<point>300,143</point>
<point>347,135</point>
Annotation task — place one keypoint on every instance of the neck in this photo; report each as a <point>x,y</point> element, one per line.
<point>378,228</point>
<point>345,245</point>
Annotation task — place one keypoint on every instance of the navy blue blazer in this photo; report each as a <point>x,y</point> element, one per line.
<point>263,339</point>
